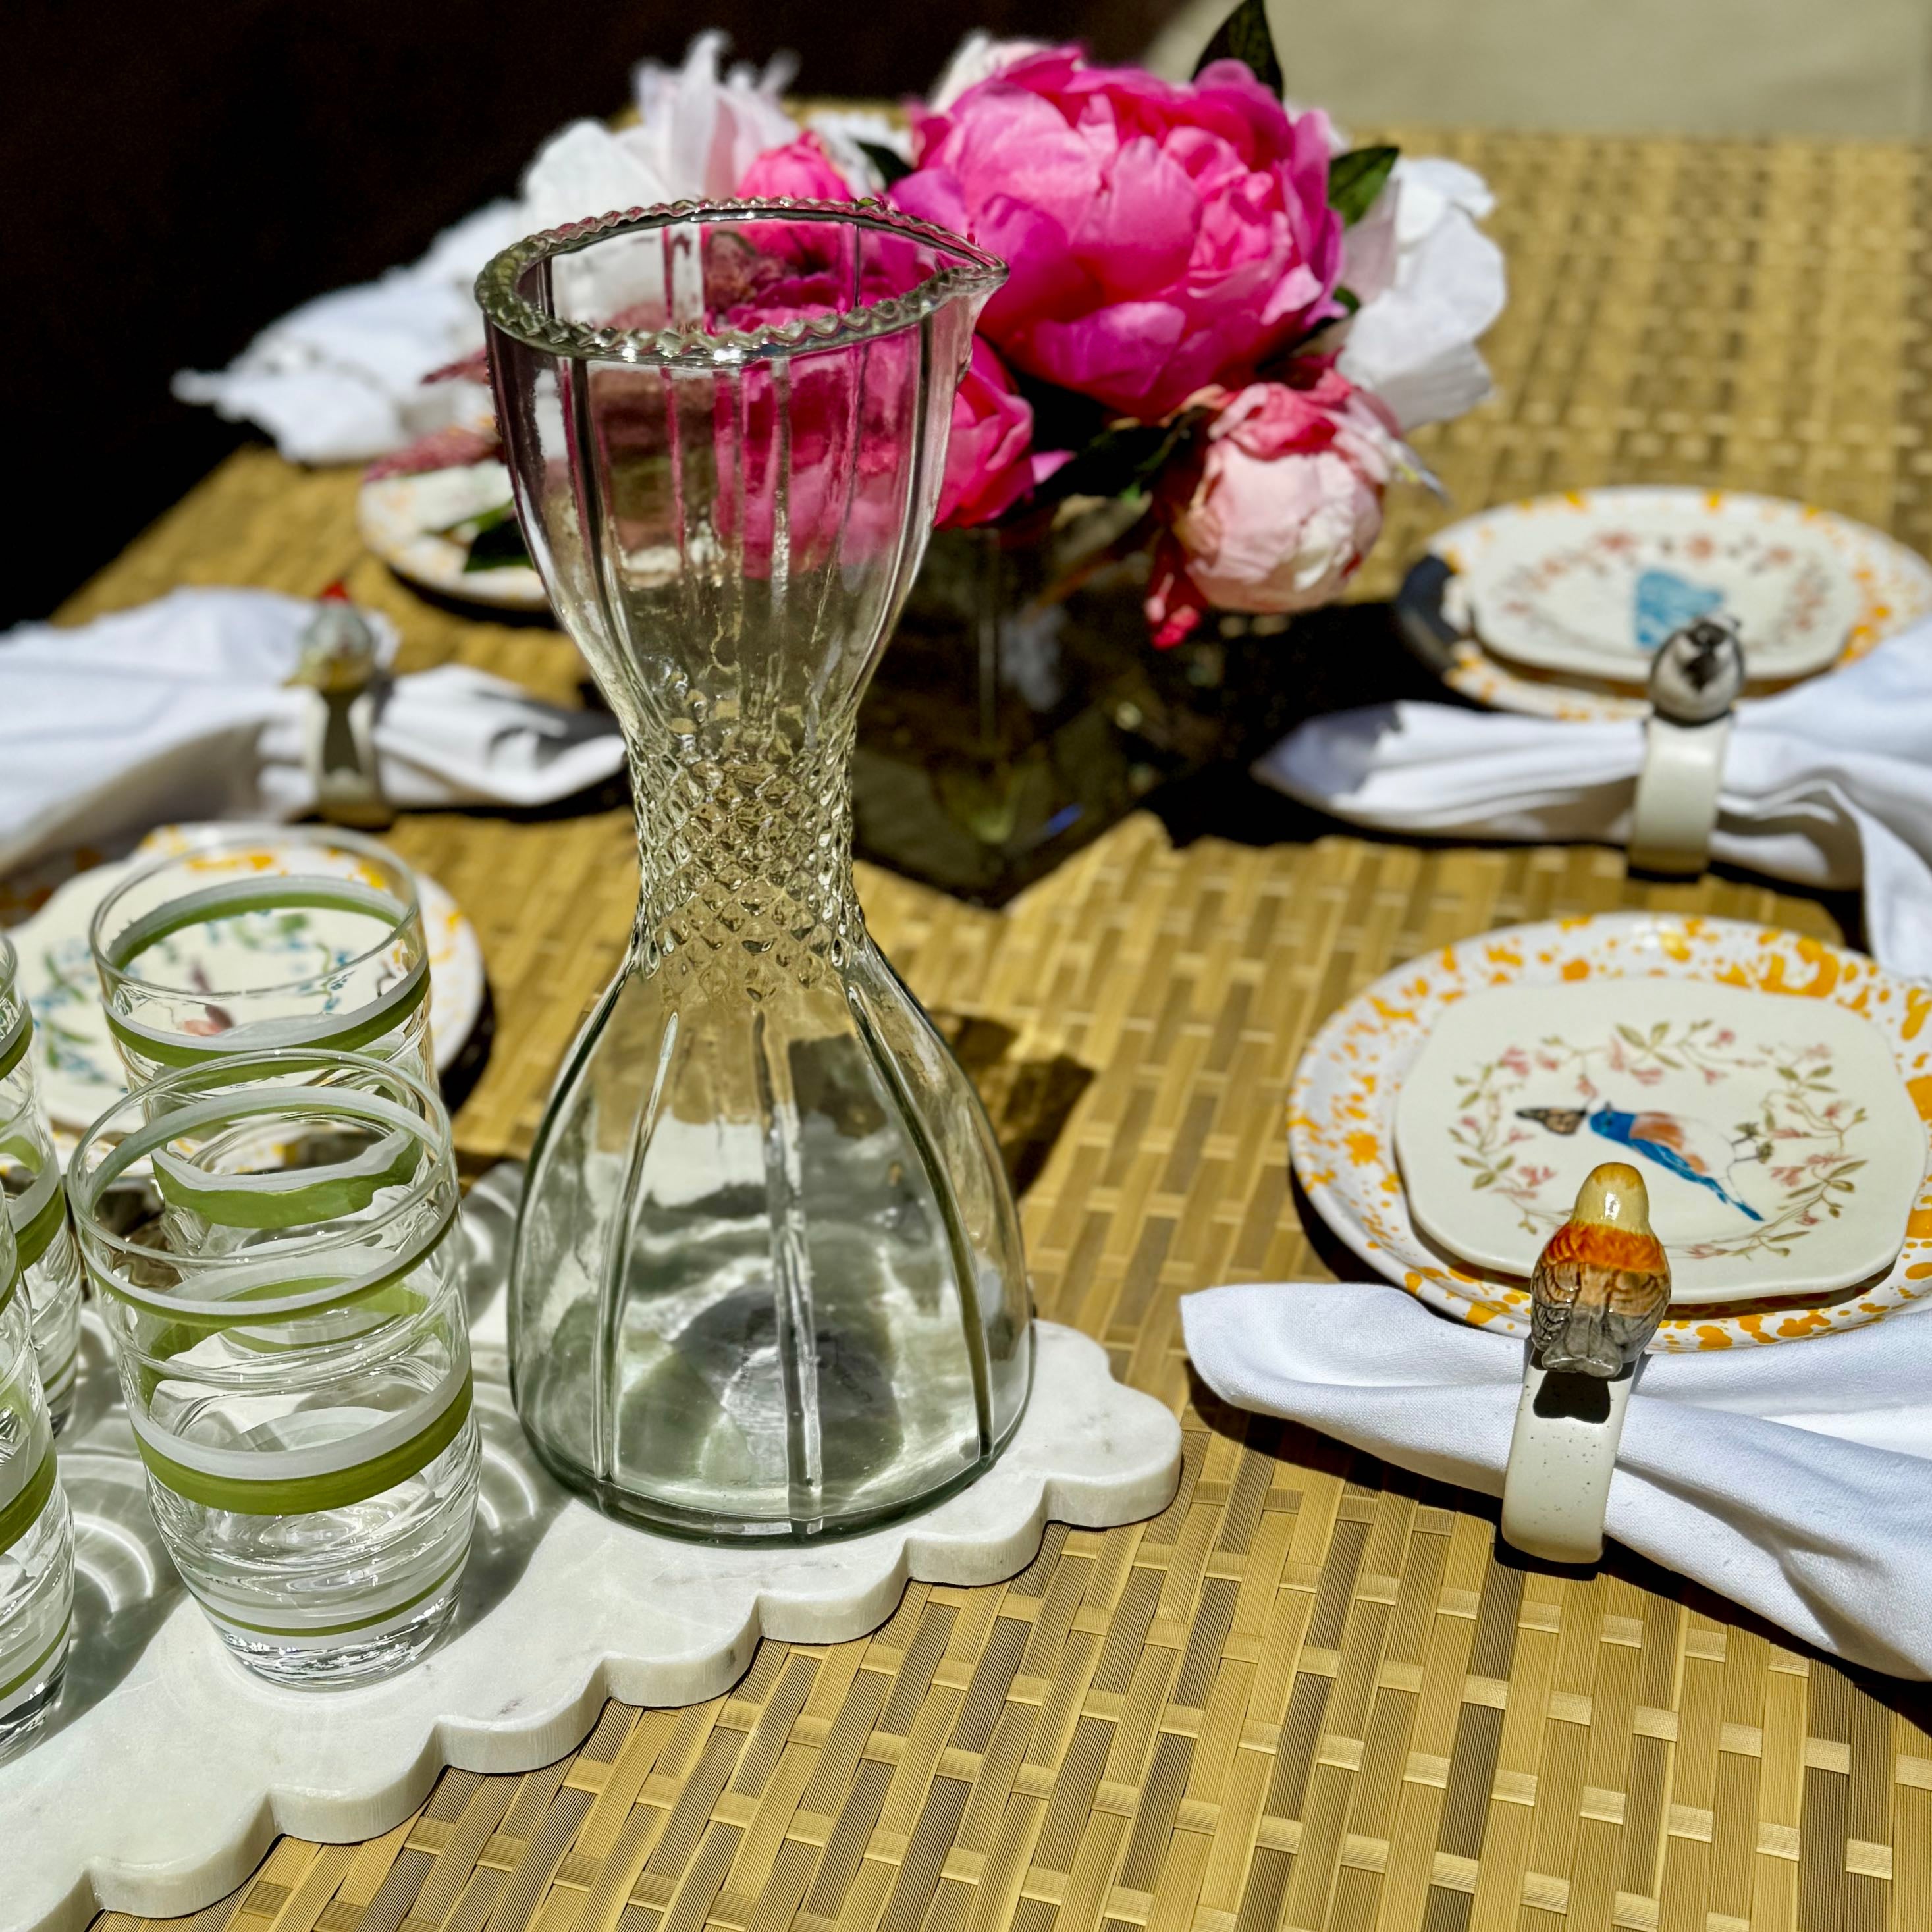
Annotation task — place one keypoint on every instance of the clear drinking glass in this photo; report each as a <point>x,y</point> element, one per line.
<point>293,1350</point>
<point>768,1278</point>
<point>307,936</point>
<point>30,1181</point>
<point>36,1537</point>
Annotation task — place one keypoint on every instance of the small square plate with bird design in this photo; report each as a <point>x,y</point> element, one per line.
<point>1780,1148</point>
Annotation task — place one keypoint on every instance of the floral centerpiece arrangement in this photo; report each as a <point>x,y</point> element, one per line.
<point>1181,415</point>
<point>1191,266</point>
<point>1217,312</point>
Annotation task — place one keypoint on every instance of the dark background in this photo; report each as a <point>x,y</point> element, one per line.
<point>179,177</point>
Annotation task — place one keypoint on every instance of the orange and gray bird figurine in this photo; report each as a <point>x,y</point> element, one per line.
<point>1602,1282</point>
<point>1600,1287</point>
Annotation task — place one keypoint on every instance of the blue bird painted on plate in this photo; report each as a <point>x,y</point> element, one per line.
<point>1666,602</point>
<point>1686,1148</point>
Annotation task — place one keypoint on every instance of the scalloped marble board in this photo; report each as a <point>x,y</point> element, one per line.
<point>166,1771</point>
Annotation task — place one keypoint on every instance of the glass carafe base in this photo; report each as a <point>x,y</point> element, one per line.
<point>768,1283</point>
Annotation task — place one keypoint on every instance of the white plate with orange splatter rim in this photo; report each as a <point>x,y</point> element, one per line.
<point>1554,604</point>
<point>80,1075</point>
<point>1341,1113</point>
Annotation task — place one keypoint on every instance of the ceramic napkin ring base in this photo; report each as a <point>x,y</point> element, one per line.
<point>1675,810</point>
<point>1556,1489</point>
<point>1694,681</point>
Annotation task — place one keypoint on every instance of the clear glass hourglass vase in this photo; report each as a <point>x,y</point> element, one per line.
<point>768,1279</point>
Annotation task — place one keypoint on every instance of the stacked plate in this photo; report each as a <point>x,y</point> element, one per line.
<point>1771,1090</point>
<point>80,1074</point>
<point>452,531</point>
<point>1554,607</point>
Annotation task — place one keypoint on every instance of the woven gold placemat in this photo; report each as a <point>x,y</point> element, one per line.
<point>1309,1694</point>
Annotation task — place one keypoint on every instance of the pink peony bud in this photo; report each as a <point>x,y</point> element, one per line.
<point>800,171</point>
<point>1286,501</point>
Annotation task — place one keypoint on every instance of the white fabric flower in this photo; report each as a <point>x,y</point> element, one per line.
<point>697,132</point>
<point>977,58</point>
<point>847,132</point>
<point>1430,282</point>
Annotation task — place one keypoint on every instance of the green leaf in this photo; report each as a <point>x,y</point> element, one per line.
<point>1630,1036</point>
<point>1356,177</point>
<point>1120,460</point>
<point>498,545</point>
<point>892,165</point>
<point>1244,36</point>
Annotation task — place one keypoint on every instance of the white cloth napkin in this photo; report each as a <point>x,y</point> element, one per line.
<point>1791,1478</point>
<point>1828,784</point>
<point>340,379</point>
<point>181,710</point>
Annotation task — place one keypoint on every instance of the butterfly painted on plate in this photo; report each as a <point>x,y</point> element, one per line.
<point>1693,1149</point>
<point>1666,602</point>
<point>1602,1282</point>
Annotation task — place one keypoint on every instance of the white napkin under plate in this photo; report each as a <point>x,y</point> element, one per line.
<point>181,709</point>
<point>1791,1478</point>
<point>1828,784</point>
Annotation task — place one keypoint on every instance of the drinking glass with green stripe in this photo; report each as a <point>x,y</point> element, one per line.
<point>293,1349</point>
<point>311,938</point>
<point>36,1537</point>
<point>30,1179</point>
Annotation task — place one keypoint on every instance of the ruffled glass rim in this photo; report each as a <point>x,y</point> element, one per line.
<point>506,309</point>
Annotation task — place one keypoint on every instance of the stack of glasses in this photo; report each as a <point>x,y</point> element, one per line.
<point>266,1220</point>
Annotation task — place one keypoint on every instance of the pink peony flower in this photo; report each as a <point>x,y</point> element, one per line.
<point>1160,237</point>
<point>1284,501</point>
<point>990,462</point>
<point>800,171</point>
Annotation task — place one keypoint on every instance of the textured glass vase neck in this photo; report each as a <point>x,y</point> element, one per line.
<point>745,849</point>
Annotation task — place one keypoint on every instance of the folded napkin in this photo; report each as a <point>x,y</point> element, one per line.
<point>181,709</point>
<point>1828,784</point>
<point>340,379</point>
<point>1790,1478</point>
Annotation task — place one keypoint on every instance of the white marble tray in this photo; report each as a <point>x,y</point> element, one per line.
<point>166,1771</point>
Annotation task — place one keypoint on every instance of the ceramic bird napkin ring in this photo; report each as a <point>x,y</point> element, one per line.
<point>1695,680</point>
<point>1600,1287</point>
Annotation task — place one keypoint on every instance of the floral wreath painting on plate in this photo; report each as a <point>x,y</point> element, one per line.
<point>1769,1177</point>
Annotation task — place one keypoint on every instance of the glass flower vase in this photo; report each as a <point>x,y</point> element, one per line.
<point>767,1279</point>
